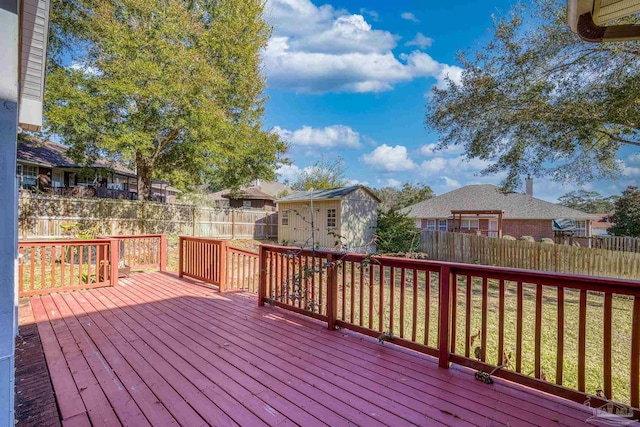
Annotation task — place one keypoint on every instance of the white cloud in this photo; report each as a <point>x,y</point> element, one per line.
<point>288,172</point>
<point>390,182</point>
<point>459,164</point>
<point>433,150</point>
<point>327,137</point>
<point>450,183</point>
<point>356,182</point>
<point>320,49</point>
<point>421,41</point>
<point>409,17</point>
<point>389,159</point>
<point>375,16</point>
<point>631,166</point>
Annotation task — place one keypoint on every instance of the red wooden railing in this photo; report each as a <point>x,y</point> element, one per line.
<point>63,265</point>
<point>47,266</point>
<point>212,261</point>
<point>542,325</point>
<point>242,269</point>
<point>201,259</point>
<point>143,252</point>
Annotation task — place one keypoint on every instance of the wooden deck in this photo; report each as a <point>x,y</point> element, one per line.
<point>158,350</point>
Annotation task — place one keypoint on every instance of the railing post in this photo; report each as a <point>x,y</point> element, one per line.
<point>180,257</point>
<point>223,265</point>
<point>262,276</point>
<point>444,316</point>
<point>332,293</point>
<point>114,260</point>
<point>163,252</point>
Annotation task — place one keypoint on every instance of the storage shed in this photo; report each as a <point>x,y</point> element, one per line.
<point>349,212</point>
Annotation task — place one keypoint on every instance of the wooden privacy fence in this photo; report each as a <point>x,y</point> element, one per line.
<point>554,332</point>
<point>47,266</point>
<point>471,249</point>
<point>212,261</point>
<point>47,216</point>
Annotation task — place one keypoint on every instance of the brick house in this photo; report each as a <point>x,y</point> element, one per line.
<point>259,195</point>
<point>520,214</point>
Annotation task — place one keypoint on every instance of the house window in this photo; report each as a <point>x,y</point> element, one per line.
<point>57,179</point>
<point>469,224</point>
<point>442,225</point>
<point>28,175</point>
<point>581,229</point>
<point>331,218</point>
<point>246,203</point>
<point>285,218</point>
<point>431,224</point>
<point>86,182</point>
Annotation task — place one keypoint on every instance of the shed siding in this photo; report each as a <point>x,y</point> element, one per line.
<point>359,216</point>
<point>298,232</point>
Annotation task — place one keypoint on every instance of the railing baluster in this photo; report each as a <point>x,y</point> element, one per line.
<point>43,256</point>
<point>414,323</point>
<point>352,286</point>
<point>343,315</point>
<point>467,327</point>
<point>32,270</point>
<point>361,305</point>
<point>519,301</point>
<point>381,298</point>
<point>454,307</point>
<point>608,308</point>
<point>403,276</point>
<point>427,311</point>
<point>538,333</point>
<point>635,354</point>
<point>582,339</point>
<point>371,279</point>
<point>560,341</point>
<point>501,322</point>
<point>392,295</point>
<point>485,303</point>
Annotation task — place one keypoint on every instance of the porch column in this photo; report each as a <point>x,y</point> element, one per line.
<point>8,205</point>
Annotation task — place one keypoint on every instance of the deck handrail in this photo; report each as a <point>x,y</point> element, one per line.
<point>390,298</point>
<point>57,265</point>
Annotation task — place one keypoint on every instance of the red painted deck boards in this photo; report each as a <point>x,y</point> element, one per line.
<point>163,351</point>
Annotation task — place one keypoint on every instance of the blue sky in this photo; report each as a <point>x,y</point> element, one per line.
<point>351,78</point>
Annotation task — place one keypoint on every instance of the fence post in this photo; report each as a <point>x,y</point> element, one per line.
<point>163,252</point>
<point>444,316</point>
<point>262,276</point>
<point>223,265</point>
<point>332,293</point>
<point>114,260</point>
<point>233,224</point>
<point>180,257</point>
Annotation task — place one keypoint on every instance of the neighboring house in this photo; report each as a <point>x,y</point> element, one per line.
<point>600,226</point>
<point>476,207</point>
<point>45,166</point>
<point>259,195</point>
<point>349,212</point>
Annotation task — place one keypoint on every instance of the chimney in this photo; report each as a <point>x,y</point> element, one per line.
<point>529,186</point>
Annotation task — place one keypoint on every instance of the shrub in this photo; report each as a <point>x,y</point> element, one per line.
<point>527,239</point>
<point>547,240</point>
<point>396,232</point>
<point>507,237</point>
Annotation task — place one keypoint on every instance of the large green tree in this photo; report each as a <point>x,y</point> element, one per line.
<point>535,99</point>
<point>407,195</point>
<point>171,87</point>
<point>626,217</point>
<point>588,201</point>
<point>324,174</point>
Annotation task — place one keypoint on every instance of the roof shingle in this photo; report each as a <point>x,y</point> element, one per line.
<point>490,197</point>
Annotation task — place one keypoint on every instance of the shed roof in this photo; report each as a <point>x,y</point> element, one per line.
<point>328,194</point>
<point>490,197</point>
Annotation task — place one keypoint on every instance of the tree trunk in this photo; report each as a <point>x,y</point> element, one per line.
<point>144,174</point>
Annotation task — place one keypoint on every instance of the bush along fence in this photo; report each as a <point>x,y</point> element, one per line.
<point>553,332</point>
<point>471,249</point>
<point>47,266</point>
<point>50,216</point>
